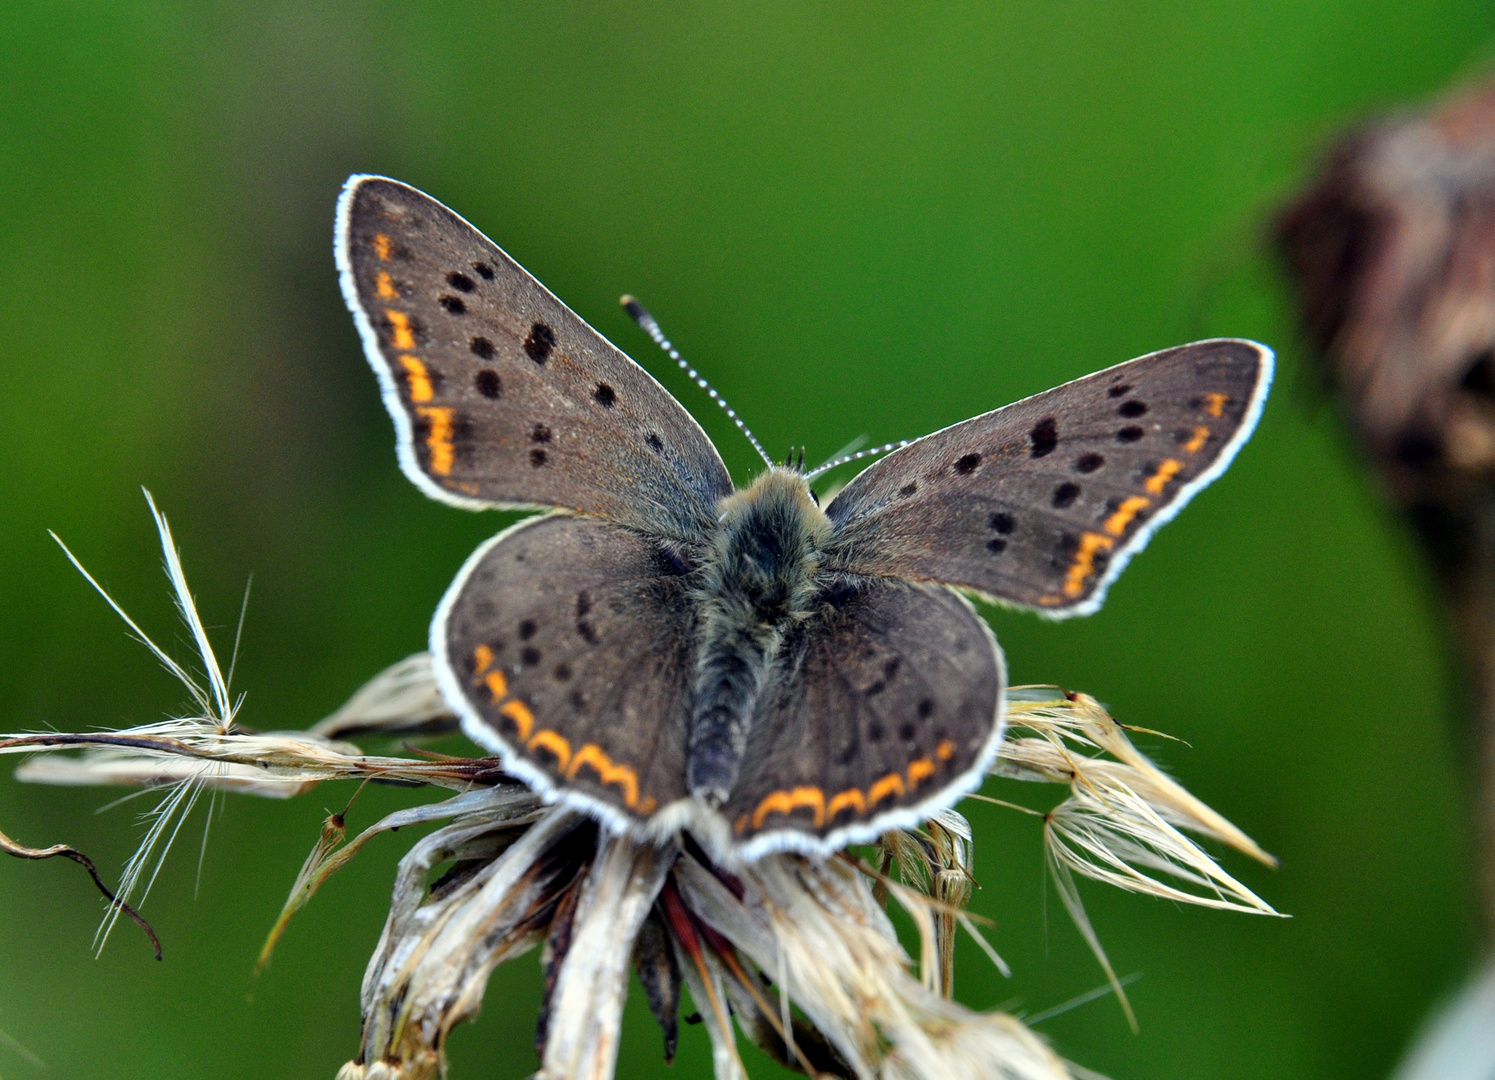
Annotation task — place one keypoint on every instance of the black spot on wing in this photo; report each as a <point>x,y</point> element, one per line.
<point>488,384</point>
<point>996,545</point>
<point>538,458</point>
<point>908,489</point>
<point>562,672</point>
<point>539,434</point>
<point>1065,495</point>
<point>655,442</point>
<point>1130,434</point>
<point>483,270</point>
<point>1044,437</point>
<point>605,395</point>
<point>1003,523</point>
<point>482,348</point>
<point>540,343</point>
<point>460,281</point>
<point>453,304</point>
<point>925,708</point>
<point>1088,463</point>
<point>529,657</point>
<point>967,464</point>
<point>1132,409</point>
<point>1120,390</point>
<point>527,629</point>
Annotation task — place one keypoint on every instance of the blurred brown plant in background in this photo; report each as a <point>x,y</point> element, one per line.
<point>1390,252</point>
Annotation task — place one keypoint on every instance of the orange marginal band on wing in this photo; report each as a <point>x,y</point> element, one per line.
<point>382,246</point>
<point>892,784</point>
<point>851,797</point>
<point>482,656</point>
<point>1159,480</point>
<point>404,339</point>
<point>524,720</point>
<point>1091,544</point>
<point>417,378</point>
<point>1116,524</point>
<point>498,687</point>
<point>439,438</point>
<point>593,755</point>
<point>384,288</point>
<point>1214,403</point>
<point>785,802</point>
<point>1194,445</point>
<point>556,743</point>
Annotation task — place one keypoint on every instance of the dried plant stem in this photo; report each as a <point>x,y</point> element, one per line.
<point>21,851</point>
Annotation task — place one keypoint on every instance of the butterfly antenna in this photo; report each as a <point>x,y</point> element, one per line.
<point>847,459</point>
<point>641,315</point>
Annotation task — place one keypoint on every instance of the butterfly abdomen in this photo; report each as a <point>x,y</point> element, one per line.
<point>760,579</point>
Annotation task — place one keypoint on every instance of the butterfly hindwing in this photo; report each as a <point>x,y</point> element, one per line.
<point>882,707</point>
<point>1041,503</point>
<point>502,395</point>
<point>566,645</point>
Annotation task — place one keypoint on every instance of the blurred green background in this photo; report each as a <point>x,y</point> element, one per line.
<point>856,218</point>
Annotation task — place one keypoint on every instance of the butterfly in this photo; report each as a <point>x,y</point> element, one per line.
<point>667,652</point>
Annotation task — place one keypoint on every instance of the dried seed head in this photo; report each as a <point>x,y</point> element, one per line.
<point>796,953</point>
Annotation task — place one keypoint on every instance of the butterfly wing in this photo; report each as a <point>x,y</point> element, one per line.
<point>565,645</point>
<point>1040,504</point>
<point>882,708</point>
<point>501,395</point>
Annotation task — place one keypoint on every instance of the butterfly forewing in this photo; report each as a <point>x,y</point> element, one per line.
<point>502,395</point>
<point>566,643</point>
<point>884,706</point>
<point>1041,503</point>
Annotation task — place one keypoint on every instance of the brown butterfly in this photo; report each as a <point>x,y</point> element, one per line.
<point>666,651</point>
